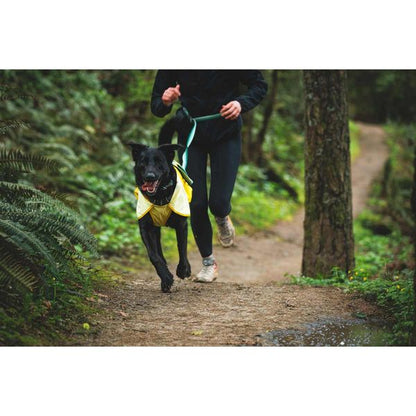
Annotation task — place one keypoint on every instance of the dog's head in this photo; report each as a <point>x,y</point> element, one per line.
<point>152,165</point>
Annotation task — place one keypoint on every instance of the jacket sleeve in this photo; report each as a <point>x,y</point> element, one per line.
<point>257,89</point>
<point>164,79</point>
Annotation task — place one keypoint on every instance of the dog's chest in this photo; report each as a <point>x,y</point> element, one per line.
<point>179,204</point>
<point>160,214</point>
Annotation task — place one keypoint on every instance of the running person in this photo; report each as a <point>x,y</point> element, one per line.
<point>204,92</point>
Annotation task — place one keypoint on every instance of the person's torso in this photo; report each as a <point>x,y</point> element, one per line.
<point>204,92</point>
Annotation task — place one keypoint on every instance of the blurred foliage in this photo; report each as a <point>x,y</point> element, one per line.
<point>258,203</point>
<point>382,95</point>
<point>396,186</point>
<point>354,140</point>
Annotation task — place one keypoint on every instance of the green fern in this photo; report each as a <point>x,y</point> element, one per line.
<point>39,234</point>
<point>17,161</point>
<point>16,234</point>
<point>16,270</point>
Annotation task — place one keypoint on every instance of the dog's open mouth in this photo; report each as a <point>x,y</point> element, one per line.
<point>150,187</point>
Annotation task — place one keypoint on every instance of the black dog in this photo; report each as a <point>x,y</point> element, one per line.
<point>158,182</point>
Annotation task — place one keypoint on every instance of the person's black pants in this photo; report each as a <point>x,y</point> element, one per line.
<point>224,159</point>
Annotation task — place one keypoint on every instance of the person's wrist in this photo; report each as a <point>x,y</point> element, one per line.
<point>167,103</point>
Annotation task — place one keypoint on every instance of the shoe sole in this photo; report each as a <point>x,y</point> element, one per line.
<point>226,245</point>
<point>199,280</point>
<point>204,281</point>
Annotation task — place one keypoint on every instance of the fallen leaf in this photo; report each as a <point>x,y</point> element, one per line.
<point>197,333</point>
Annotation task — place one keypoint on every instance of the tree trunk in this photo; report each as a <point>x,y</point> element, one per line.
<point>247,137</point>
<point>253,143</point>
<point>328,233</point>
<point>268,111</point>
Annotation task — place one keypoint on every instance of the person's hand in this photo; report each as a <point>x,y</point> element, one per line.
<point>171,95</point>
<point>231,110</point>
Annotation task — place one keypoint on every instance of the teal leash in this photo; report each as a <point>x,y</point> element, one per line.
<point>192,133</point>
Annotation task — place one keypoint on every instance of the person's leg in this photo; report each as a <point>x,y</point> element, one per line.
<point>200,223</point>
<point>225,159</point>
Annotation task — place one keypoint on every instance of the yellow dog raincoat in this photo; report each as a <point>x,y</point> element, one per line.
<point>179,203</point>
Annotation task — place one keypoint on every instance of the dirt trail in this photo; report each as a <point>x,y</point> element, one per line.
<point>250,296</point>
<point>268,256</point>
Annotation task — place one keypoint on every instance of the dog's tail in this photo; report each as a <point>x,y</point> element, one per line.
<point>180,123</point>
<point>167,131</point>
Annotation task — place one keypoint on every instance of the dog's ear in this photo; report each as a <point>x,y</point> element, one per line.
<point>137,149</point>
<point>169,150</point>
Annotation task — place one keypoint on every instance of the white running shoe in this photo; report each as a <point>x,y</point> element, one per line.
<point>226,231</point>
<point>209,271</point>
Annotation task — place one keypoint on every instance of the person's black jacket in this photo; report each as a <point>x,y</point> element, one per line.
<point>204,92</point>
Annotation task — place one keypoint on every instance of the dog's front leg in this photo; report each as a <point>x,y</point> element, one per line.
<point>181,227</point>
<point>151,239</point>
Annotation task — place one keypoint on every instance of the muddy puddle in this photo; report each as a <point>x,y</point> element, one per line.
<point>346,333</point>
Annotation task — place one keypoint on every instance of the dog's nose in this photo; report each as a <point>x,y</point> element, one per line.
<point>150,177</point>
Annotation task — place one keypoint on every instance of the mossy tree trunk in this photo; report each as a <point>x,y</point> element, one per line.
<point>328,232</point>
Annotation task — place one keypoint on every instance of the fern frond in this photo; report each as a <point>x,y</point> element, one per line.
<point>19,190</point>
<point>20,162</point>
<point>15,268</point>
<point>61,153</point>
<point>29,242</point>
<point>49,221</point>
<point>39,232</point>
<point>68,201</point>
<point>23,194</point>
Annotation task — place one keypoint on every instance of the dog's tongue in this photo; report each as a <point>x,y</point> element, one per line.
<point>149,187</point>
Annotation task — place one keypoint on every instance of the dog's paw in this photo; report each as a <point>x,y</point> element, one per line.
<point>166,284</point>
<point>183,270</point>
